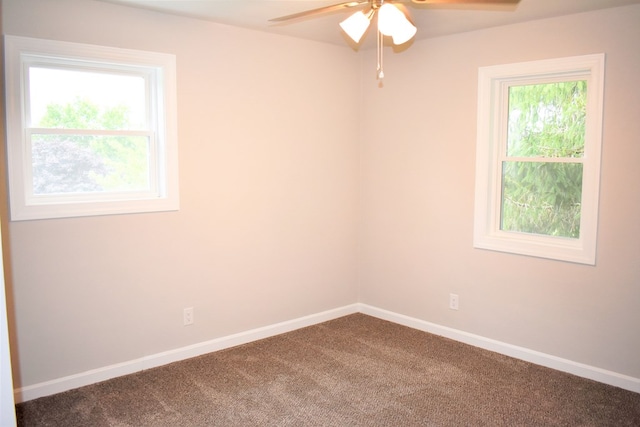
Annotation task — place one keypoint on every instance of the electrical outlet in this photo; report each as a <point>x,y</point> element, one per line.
<point>188,316</point>
<point>453,301</point>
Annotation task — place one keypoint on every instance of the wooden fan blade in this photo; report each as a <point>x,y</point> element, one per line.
<point>320,10</point>
<point>465,1</point>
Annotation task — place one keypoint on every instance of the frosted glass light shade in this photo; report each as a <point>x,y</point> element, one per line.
<point>356,25</point>
<point>404,33</point>
<point>392,22</point>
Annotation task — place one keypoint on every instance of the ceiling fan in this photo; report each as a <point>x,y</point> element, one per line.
<point>392,19</point>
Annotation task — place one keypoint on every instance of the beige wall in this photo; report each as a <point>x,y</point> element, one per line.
<point>268,176</point>
<point>417,198</point>
<point>284,160</point>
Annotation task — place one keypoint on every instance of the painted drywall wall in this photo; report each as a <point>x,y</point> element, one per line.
<point>417,201</point>
<point>268,179</point>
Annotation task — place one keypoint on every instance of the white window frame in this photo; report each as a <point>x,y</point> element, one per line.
<point>159,71</point>
<point>493,86</point>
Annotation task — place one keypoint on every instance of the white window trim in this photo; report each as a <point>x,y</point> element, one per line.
<point>492,82</point>
<point>161,69</point>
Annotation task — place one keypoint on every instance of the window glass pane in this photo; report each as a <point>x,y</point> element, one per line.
<point>67,164</point>
<point>72,99</point>
<point>547,120</point>
<point>542,198</point>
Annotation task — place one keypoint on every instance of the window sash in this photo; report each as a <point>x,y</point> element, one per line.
<point>30,61</point>
<point>42,199</point>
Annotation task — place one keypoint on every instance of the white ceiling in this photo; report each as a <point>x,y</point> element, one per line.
<point>431,20</point>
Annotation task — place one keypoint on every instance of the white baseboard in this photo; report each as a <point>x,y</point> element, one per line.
<point>147,362</point>
<point>579,369</point>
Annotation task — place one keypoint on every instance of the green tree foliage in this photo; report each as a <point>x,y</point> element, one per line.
<point>61,165</point>
<point>64,163</point>
<point>546,121</point>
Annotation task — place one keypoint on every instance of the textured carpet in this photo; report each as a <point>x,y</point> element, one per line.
<point>352,371</point>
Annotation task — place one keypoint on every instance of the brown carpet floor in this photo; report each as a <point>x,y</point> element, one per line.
<point>352,371</point>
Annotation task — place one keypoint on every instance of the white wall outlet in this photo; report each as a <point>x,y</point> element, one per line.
<point>188,316</point>
<point>453,301</point>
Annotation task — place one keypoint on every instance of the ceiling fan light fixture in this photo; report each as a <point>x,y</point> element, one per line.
<point>392,22</point>
<point>356,25</point>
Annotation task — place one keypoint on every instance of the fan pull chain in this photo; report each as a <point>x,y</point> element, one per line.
<point>380,70</point>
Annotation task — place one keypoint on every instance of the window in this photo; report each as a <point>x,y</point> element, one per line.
<point>538,158</point>
<point>91,130</point>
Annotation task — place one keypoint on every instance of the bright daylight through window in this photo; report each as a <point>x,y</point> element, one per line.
<point>91,130</point>
<point>538,158</point>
